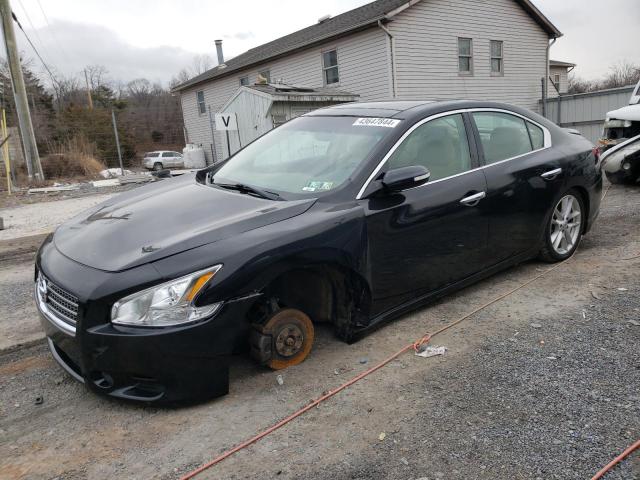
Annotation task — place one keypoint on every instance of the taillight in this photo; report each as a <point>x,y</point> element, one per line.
<point>596,154</point>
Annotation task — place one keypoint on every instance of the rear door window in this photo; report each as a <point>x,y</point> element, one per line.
<point>152,154</point>
<point>440,145</point>
<point>502,135</point>
<point>168,154</point>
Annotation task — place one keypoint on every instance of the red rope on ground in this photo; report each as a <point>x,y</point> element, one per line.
<point>616,460</point>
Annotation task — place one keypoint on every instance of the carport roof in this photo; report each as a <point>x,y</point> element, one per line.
<point>344,24</point>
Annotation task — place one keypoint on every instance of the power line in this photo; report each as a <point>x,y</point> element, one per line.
<point>52,32</point>
<point>35,31</point>
<point>15,18</point>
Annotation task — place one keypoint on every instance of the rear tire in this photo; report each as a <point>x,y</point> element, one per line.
<point>564,228</point>
<point>157,166</point>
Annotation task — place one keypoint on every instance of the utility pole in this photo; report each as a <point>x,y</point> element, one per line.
<point>86,79</point>
<point>115,131</point>
<point>34,169</point>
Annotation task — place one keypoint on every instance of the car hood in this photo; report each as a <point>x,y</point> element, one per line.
<point>163,219</point>
<point>630,112</point>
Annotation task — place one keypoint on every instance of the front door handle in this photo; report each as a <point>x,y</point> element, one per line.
<point>551,174</point>
<point>473,200</point>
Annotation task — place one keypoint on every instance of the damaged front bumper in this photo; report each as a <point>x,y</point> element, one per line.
<point>169,365</point>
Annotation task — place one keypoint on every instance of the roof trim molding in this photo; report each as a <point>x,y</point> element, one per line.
<point>540,18</point>
<point>401,9</point>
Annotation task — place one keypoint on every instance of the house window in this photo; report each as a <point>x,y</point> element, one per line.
<point>201,106</point>
<point>496,58</point>
<point>556,80</point>
<point>465,56</point>
<point>266,74</point>
<point>330,67</point>
<point>244,81</point>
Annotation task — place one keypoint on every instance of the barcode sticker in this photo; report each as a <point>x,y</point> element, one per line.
<point>376,122</point>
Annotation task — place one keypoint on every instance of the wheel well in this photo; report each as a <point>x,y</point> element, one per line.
<point>585,199</point>
<point>325,293</point>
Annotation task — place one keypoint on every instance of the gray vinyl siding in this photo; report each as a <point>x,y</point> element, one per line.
<point>426,51</point>
<point>363,65</point>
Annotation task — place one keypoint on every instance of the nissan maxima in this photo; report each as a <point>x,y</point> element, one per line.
<point>349,215</point>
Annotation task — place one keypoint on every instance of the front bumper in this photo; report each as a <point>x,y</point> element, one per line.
<point>164,366</point>
<point>160,366</point>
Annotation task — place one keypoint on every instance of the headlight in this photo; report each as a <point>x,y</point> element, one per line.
<point>166,304</point>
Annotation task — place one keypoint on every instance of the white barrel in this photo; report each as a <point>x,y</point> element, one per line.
<point>193,156</point>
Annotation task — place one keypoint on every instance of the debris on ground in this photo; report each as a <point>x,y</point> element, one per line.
<point>382,436</point>
<point>136,178</point>
<point>426,351</point>
<point>634,322</point>
<point>111,182</point>
<point>622,289</point>
<point>536,325</point>
<point>341,370</point>
<point>363,360</point>
<point>595,295</point>
<point>280,380</point>
<point>39,400</point>
<point>114,173</point>
<point>54,189</point>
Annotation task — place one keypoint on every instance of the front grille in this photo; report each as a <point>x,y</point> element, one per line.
<point>62,303</point>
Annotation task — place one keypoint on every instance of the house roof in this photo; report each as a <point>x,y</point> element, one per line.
<point>346,23</point>
<point>558,63</point>
<point>283,92</point>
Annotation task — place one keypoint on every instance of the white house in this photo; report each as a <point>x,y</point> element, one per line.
<point>559,73</point>
<point>404,49</point>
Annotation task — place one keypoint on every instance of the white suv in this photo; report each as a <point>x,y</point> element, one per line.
<point>163,159</point>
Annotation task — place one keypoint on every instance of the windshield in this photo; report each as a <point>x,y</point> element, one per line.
<point>307,155</point>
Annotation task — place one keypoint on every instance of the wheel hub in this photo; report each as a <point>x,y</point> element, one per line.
<point>289,341</point>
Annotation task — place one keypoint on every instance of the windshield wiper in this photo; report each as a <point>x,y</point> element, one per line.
<point>241,187</point>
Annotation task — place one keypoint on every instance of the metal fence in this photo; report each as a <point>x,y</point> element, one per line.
<point>586,111</point>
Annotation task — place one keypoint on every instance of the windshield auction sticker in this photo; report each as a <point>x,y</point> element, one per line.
<point>376,122</point>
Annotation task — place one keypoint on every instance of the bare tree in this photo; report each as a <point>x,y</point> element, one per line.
<point>181,77</point>
<point>200,64</point>
<point>97,76</point>
<point>621,74</point>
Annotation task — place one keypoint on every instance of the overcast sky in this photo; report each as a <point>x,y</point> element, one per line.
<point>156,38</point>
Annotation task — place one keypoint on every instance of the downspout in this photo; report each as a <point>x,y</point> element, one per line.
<point>393,60</point>
<point>545,88</point>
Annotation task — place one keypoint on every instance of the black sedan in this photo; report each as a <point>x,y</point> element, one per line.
<point>350,215</point>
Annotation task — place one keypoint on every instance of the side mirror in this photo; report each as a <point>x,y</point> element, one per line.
<point>405,177</point>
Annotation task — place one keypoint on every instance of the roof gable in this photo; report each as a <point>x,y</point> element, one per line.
<point>340,25</point>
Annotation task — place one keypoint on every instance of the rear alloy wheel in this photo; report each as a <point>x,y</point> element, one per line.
<point>564,230</point>
<point>157,166</point>
<point>291,332</point>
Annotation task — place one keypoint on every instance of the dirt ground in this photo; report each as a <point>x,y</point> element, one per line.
<point>544,384</point>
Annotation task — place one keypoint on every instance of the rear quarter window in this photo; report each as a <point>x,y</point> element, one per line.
<point>502,135</point>
<point>537,136</point>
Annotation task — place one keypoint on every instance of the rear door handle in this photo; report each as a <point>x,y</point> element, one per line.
<point>551,174</point>
<point>473,200</point>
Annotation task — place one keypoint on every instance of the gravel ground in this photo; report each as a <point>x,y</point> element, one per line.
<point>500,404</point>
<point>519,408</point>
<point>38,218</point>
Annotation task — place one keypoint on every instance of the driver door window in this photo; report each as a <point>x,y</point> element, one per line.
<point>440,145</point>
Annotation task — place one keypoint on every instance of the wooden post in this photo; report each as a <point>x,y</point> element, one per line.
<point>32,159</point>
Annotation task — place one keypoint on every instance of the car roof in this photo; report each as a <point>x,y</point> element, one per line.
<point>415,109</point>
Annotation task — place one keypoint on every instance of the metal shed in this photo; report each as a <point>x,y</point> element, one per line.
<point>259,108</point>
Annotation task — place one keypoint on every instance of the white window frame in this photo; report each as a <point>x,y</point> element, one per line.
<point>470,56</point>
<point>201,104</point>
<point>499,73</point>
<point>376,171</point>
<point>325,67</point>
<point>244,77</point>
